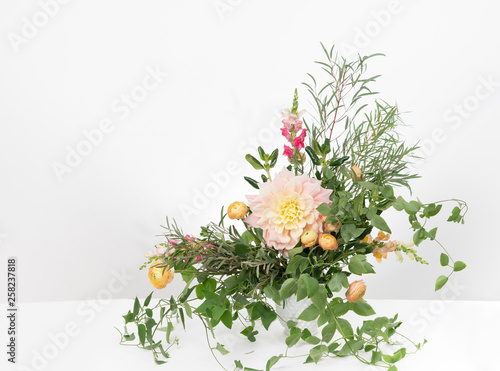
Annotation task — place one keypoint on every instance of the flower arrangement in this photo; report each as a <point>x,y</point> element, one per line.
<point>308,232</point>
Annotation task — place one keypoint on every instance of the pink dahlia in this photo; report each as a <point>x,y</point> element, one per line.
<point>286,207</point>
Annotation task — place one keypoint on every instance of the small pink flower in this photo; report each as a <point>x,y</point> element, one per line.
<point>298,141</point>
<point>150,254</point>
<point>288,151</point>
<point>161,250</point>
<point>286,133</point>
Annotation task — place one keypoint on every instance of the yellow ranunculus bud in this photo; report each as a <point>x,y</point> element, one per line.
<point>309,238</point>
<point>356,173</point>
<point>237,210</point>
<point>356,291</point>
<point>328,242</point>
<point>159,276</point>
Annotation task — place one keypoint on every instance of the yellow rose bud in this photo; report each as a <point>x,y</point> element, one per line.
<point>309,238</point>
<point>237,210</point>
<point>356,291</point>
<point>356,173</point>
<point>329,227</point>
<point>159,276</point>
<point>328,242</point>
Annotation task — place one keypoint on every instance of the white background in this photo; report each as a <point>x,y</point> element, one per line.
<point>230,71</point>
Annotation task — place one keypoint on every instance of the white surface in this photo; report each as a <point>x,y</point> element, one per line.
<point>228,76</point>
<point>462,336</point>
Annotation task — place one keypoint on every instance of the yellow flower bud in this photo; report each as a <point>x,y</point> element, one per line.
<point>237,210</point>
<point>328,242</point>
<point>356,173</point>
<point>309,238</point>
<point>356,291</point>
<point>159,276</point>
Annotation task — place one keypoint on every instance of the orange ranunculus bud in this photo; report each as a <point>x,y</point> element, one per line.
<point>329,227</point>
<point>309,238</point>
<point>328,242</point>
<point>356,291</point>
<point>356,173</point>
<point>159,276</point>
<point>237,210</point>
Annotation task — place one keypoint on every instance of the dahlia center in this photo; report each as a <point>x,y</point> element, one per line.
<point>290,211</point>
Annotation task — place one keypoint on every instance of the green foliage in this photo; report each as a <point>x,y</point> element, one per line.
<point>355,151</point>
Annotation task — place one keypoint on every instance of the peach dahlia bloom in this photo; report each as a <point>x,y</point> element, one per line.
<point>286,207</point>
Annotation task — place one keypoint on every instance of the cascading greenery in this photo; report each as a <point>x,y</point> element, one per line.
<point>231,277</point>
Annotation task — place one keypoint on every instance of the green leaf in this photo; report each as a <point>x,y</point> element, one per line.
<point>262,154</point>
<point>288,288</point>
<point>348,231</point>
<point>379,223</point>
<point>324,209</point>
<point>367,185</point>
<point>141,329</point>
<point>227,319</point>
<point>137,306</point>
<point>249,333</point>
<point>221,349</point>
<point>411,207</point>
<point>337,281</point>
<point>387,191</point>
<point>293,339</point>
<point>345,328</point>
<point>444,259</point>
<point>272,361</point>
<point>129,337</point>
<point>319,299</point>
<point>376,357</point>
<point>129,317</point>
<point>311,284</point>
<point>314,159</point>
<point>327,332</point>
<point>272,293</point>
<point>170,327</point>
<point>440,282</point>
<point>419,236</point>
<point>458,266</point>
<point>254,162</point>
<point>188,309</point>
<point>241,249</point>
<point>358,265</point>
<point>432,233</point>
<point>392,368</point>
<point>398,355</point>
<point>148,299</point>
<point>252,182</point>
<point>310,313</point>
<point>317,352</point>
<point>273,158</point>
<point>362,308</point>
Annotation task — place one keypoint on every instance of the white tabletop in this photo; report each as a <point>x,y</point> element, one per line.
<point>461,336</point>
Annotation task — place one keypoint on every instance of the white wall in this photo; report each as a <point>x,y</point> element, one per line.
<point>223,76</point>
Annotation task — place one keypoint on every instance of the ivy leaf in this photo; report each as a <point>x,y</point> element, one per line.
<point>221,349</point>
<point>141,329</point>
<point>272,361</point>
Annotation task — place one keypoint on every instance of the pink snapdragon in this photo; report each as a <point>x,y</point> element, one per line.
<point>288,151</point>
<point>292,125</point>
